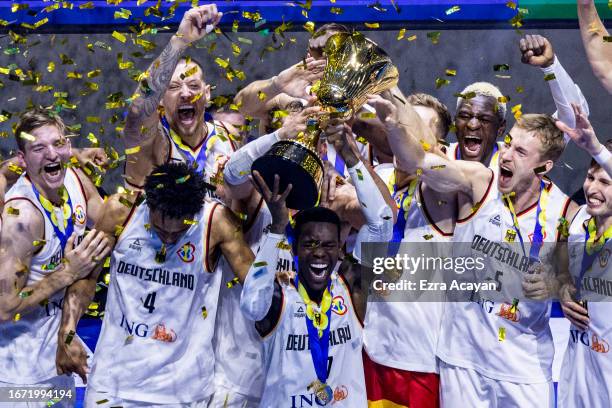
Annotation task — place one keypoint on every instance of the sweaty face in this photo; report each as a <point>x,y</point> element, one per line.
<point>169,230</point>
<point>46,157</point>
<point>518,160</point>
<point>598,192</point>
<point>478,126</point>
<point>317,250</point>
<point>185,99</point>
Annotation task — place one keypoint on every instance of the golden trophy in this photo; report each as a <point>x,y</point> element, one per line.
<point>356,67</point>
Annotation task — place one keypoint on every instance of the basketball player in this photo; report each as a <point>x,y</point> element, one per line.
<point>316,364</point>
<point>43,252</point>
<point>478,337</point>
<point>401,368</point>
<point>175,87</point>
<point>586,302</point>
<point>155,347</point>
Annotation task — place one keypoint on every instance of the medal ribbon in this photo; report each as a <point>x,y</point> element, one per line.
<point>538,231</point>
<point>338,164</point>
<point>196,159</point>
<point>404,201</point>
<point>592,247</point>
<point>318,322</point>
<point>68,225</point>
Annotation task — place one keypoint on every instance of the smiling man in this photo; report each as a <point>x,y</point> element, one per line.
<point>155,347</point>
<point>166,121</point>
<point>518,211</point>
<point>43,252</point>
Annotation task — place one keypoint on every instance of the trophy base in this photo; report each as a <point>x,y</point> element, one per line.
<point>297,165</point>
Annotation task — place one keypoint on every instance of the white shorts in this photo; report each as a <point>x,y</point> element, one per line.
<point>93,398</point>
<point>463,387</point>
<point>61,383</point>
<point>224,397</point>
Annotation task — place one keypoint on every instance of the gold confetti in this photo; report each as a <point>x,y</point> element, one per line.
<point>190,222</point>
<point>17,317</point>
<point>94,73</point>
<point>412,37</point>
<point>438,167</point>
<point>372,25</point>
<point>27,136</point>
<point>51,66</point>
<point>204,312</point>
<point>12,211</point>
<point>401,33</point>
<point>511,5</point>
<point>258,264</point>
<point>196,97</point>
<point>440,82</point>
<point>434,36</point>
<point>132,150</point>
<point>428,237</point>
<point>426,146</point>
<point>451,72</point>
<point>501,334</point>
<point>503,99</point>
<point>232,283</point>
<point>15,168</point>
<point>38,242</point>
<point>88,5</point>
<point>118,36</point>
<point>507,139</point>
<point>549,77</point>
<point>452,10</point>
<point>516,110</point>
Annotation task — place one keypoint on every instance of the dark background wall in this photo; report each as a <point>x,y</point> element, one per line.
<point>472,53</point>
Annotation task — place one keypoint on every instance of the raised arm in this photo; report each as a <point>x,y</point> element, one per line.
<point>142,122</point>
<point>537,51</point>
<point>293,81</point>
<point>408,138</point>
<point>584,136</point>
<point>599,52</point>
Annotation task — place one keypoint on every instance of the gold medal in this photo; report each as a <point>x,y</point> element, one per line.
<point>510,235</point>
<point>322,391</point>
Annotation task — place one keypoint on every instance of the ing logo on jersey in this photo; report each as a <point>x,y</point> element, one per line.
<point>186,252</point>
<point>79,214</point>
<point>604,256</point>
<point>340,393</point>
<point>508,312</point>
<point>338,305</point>
<point>599,345</point>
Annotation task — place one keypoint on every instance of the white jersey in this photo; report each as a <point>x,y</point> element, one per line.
<point>289,365</point>
<point>488,336</point>
<point>28,346</point>
<point>156,339</point>
<point>586,373</point>
<point>238,346</point>
<point>214,148</point>
<point>404,335</point>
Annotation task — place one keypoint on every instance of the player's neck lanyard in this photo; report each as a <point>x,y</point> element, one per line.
<point>67,226</point>
<point>494,154</point>
<point>403,201</point>
<point>592,247</point>
<point>318,323</point>
<point>538,231</point>
<point>196,158</point>
<point>338,164</point>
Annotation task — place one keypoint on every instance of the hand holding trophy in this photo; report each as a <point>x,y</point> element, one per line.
<point>356,67</point>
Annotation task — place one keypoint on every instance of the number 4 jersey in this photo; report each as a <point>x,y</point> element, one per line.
<point>156,340</point>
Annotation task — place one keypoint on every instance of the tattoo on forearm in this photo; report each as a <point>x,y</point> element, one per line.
<point>152,89</point>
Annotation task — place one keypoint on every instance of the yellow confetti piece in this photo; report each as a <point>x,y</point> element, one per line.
<point>204,312</point>
<point>118,36</point>
<point>93,306</point>
<point>122,13</point>
<point>93,119</point>
<point>107,265</point>
<point>452,10</point>
<point>427,237</point>
<point>401,33</point>
<point>372,25</point>
<point>309,26</point>
<point>17,317</point>
<point>196,97</point>
<point>190,222</point>
<point>549,77</point>
<point>412,37</point>
<point>132,150</point>
<point>451,72</point>
<point>438,167</point>
<point>507,139</point>
<point>367,115</point>
<point>221,62</point>
<point>283,245</point>
<point>440,82</point>
<point>38,242</point>
<point>426,146</point>
<point>15,7</point>
<point>73,75</point>
<point>94,73</point>
<point>511,5</point>
<point>27,136</point>
<point>88,5</point>
<point>419,172</point>
<point>516,110</point>
<point>434,36</point>
<point>501,334</point>
<point>15,168</point>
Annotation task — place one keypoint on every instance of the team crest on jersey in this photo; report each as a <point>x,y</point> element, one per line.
<point>599,345</point>
<point>603,257</point>
<point>509,312</point>
<point>338,306</point>
<point>164,334</point>
<point>186,252</point>
<point>79,214</point>
<point>340,393</point>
